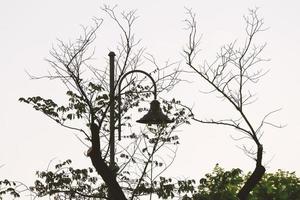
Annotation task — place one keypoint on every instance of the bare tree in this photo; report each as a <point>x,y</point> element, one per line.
<point>230,75</point>
<point>138,160</point>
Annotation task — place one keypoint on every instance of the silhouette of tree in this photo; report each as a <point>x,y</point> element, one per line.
<point>8,188</point>
<point>223,184</point>
<point>65,182</point>
<point>139,162</point>
<point>230,75</point>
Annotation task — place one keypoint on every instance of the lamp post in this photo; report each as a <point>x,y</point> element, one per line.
<point>154,115</point>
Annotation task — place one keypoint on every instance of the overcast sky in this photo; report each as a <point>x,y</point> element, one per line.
<point>28,29</point>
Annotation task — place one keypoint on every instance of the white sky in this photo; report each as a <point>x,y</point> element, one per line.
<point>29,140</point>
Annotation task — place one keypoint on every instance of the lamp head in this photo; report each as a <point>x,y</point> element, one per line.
<point>155,115</point>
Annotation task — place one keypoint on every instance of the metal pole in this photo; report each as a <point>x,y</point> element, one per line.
<point>112,114</point>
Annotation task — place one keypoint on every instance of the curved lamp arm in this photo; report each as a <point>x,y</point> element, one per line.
<point>119,95</point>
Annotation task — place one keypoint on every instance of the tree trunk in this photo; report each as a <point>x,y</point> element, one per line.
<point>102,168</point>
<point>108,177</point>
<point>255,177</point>
<point>251,182</point>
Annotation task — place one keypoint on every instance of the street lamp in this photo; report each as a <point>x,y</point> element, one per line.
<point>154,115</point>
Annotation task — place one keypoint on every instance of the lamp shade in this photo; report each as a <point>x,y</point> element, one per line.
<point>155,115</point>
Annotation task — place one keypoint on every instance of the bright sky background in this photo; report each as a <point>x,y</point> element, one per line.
<point>28,29</point>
